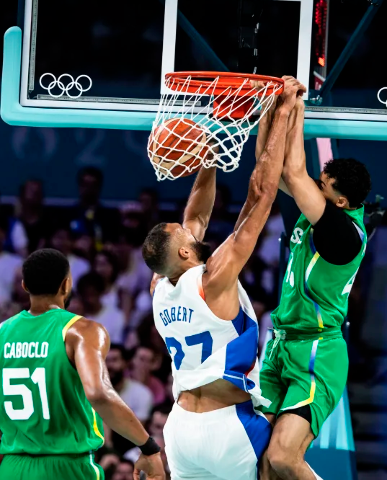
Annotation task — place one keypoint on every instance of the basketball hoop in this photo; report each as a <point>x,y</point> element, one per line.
<point>224,105</point>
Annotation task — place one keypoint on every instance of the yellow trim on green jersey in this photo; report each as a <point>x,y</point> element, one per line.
<point>69,324</point>
<point>95,427</point>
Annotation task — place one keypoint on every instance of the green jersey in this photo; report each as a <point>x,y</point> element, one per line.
<point>43,406</point>
<point>315,293</point>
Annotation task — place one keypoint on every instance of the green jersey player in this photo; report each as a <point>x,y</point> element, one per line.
<point>54,386</point>
<point>306,365</point>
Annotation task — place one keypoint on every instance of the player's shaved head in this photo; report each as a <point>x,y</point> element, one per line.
<point>170,248</point>
<point>155,249</point>
<point>44,272</point>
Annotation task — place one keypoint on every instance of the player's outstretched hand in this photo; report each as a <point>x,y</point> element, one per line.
<point>152,465</point>
<point>292,91</point>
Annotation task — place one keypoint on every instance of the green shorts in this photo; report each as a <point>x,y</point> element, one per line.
<point>305,370</point>
<point>50,467</point>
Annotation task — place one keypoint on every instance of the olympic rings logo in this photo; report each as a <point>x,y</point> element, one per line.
<point>380,100</point>
<point>65,89</point>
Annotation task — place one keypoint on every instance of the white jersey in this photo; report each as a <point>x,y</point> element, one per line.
<point>203,347</point>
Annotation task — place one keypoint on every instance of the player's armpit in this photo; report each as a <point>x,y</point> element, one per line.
<point>226,263</point>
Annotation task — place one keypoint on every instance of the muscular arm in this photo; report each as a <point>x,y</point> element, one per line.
<point>302,187</point>
<point>226,263</point>
<point>87,345</point>
<point>200,203</point>
<point>264,127</point>
<point>228,260</point>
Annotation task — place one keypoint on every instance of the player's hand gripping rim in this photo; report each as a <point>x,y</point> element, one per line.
<point>293,91</point>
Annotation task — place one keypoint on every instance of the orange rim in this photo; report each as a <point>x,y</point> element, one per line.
<point>200,81</point>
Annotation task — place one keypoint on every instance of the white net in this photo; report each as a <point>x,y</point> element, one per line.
<point>213,123</point>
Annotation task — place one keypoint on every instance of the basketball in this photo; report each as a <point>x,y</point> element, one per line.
<point>178,145</point>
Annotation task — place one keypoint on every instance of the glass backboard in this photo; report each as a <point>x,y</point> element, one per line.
<point>120,52</point>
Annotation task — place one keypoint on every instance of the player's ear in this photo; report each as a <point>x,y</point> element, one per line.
<point>184,253</point>
<point>24,287</point>
<point>342,202</point>
<point>65,287</point>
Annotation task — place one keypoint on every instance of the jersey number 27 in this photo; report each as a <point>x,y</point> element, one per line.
<point>203,338</point>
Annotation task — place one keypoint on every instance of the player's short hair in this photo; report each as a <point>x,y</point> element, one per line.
<point>44,271</point>
<point>351,179</point>
<point>156,248</point>
<point>93,280</point>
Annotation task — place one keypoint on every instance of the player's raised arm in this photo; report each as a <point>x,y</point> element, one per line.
<point>264,127</point>
<point>302,187</point>
<point>87,345</point>
<point>201,202</point>
<point>227,262</point>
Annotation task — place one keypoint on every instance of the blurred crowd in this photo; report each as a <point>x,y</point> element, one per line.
<point>111,286</point>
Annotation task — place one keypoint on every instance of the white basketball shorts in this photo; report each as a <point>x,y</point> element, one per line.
<point>223,444</point>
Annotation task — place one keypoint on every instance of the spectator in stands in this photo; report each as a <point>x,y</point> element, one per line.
<point>19,295</point>
<point>149,203</point>
<point>158,420</point>
<point>106,265</point>
<point>135,276</point>
<point>169,390</point>
<point>61,239</point>
<point>124,470</point>
<point>31,213</point>
<point>89,216</point>
<point>84,247</point>
<point>147,335</point>
<point>9,264</point>
<point>8,310</point>
<point>137,396</point>
<point>221,224</point>
<point>108,461</point>
<point>143,363</point>
<point>76,306</point>
<point>91,288</point>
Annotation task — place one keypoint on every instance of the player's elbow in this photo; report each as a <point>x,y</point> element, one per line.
<point>292,173</point>
<point>96,395</point>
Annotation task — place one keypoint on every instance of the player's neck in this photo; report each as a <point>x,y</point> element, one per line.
<point>174,277</point>
<point>41,304</point>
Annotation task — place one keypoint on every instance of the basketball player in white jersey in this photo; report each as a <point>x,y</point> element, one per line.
<point>209,326</point>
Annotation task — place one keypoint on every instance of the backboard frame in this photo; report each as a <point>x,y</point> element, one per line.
<point>13,113</point>
<point>167,63</point>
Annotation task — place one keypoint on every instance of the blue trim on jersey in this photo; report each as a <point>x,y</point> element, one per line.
<point>258,429</point>
<point>241,353</point>
<point>239,322</point>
